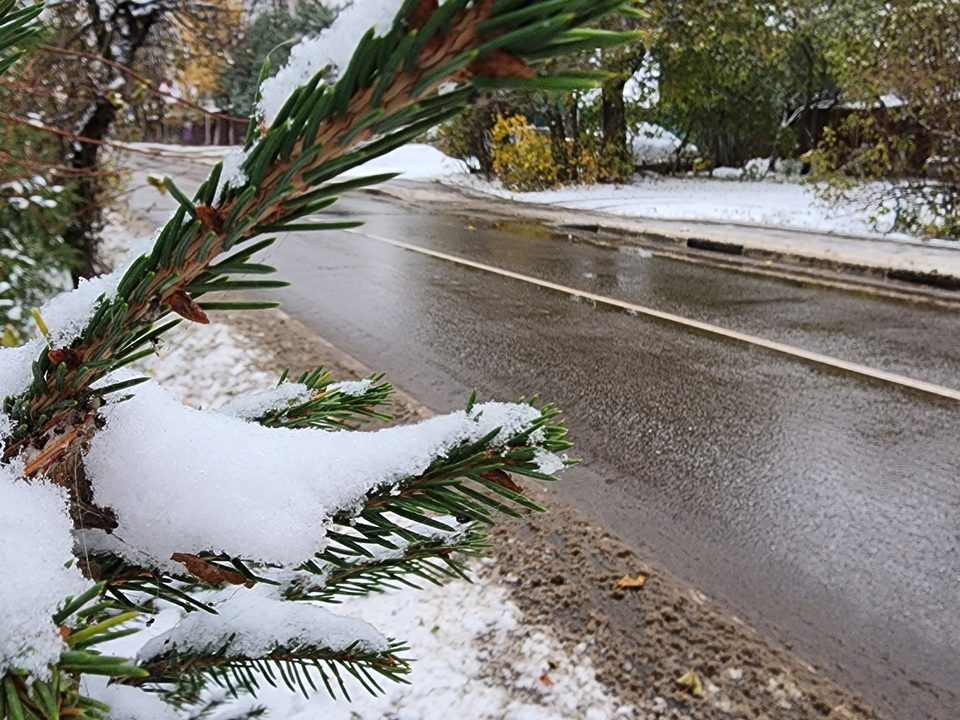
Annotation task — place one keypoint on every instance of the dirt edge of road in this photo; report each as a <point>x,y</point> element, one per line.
<point>563,572</point>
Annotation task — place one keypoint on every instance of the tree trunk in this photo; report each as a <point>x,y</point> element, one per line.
<point>83,232</point>
<point>614,115</point>
<point>119,37</point>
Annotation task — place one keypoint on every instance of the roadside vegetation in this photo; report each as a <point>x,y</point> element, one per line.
<point>859,99</point>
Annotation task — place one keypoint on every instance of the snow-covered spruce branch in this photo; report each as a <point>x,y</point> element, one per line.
<point>258,637</point>
<point>316,400</point>
<point>343,498</point>
<point>163,501</point>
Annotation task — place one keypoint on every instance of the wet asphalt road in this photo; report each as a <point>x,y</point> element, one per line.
<point>822,508</point>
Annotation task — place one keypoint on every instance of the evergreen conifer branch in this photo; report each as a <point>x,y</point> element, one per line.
<point>321,132</point>
<point>470,483</point>
<point>332,409</point>
<point>354,574</point>
<point>387,96</point>
<point>85,622</point>
<point>183,675</point>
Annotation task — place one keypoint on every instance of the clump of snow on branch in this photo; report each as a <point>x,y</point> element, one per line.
<point>182,480</point>
<point>35,543</point>
<point>66,315</point>
<point>252,407</point>
<point>331,50</point>
<point>16,372</point>
<point>251,624</point>
<point>232,174</point>
<point>549,463</point>
<point>353,388</point>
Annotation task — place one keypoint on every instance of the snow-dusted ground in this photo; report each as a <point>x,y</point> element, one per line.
<point>760,202</point>
<point>476,656</point>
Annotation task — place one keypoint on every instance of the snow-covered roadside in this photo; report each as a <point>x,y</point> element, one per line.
<point>758,202</point>
<point>476,655</point>
<point>765,202</point>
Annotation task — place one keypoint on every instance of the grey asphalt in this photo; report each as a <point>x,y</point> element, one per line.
<point>821,508</point>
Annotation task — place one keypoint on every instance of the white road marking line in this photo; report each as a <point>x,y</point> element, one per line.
<point>777,347</point>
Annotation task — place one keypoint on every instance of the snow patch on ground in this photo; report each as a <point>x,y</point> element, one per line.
<point>205,366</point>
<point>474,658</point>
<point>412,162</point>
<point>788,205</point>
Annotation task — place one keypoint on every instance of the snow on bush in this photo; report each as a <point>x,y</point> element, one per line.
<point>653,144</point>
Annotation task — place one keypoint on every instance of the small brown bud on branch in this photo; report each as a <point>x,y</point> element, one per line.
<point>184,306</point>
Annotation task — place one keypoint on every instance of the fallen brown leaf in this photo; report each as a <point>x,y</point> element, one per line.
<point>628,582</point>
<point>691,683</point>
<point>546,681</point>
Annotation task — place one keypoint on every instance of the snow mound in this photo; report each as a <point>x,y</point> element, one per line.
<point>413,162</point>
<point>653,144</point>
<point>764,202</point>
